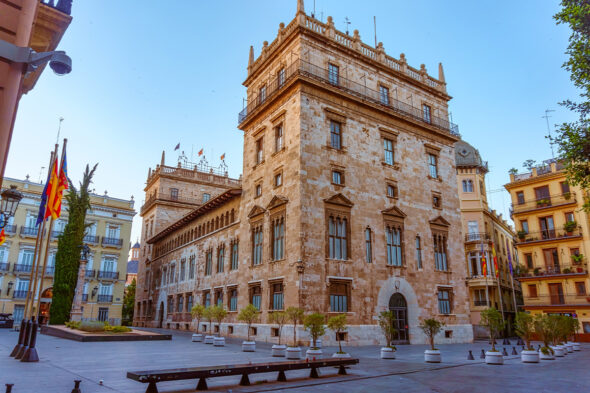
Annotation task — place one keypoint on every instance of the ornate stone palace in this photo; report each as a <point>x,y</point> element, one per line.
<point>348,201</point>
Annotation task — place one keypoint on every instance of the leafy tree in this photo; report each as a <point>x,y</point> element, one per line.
<point>542,328</point>
<point>573,139</point>
<point>431,327</point>
<point>219,313</point>
<point>314,324</point>
<point>529,164</point>
<point>198,312</point>
<point>525,328</point>
<point>208,316</point>
<point>338,325</point>
<point>295,315</point>
<point>129,302</point>
<point>492,320</point>
<point>249,315</point>
<point>387,325</point>
<point>279,318</point>
<point>513,171</point>
<point>67,258</point>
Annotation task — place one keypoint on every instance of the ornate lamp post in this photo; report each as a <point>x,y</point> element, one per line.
<point>8,204</point>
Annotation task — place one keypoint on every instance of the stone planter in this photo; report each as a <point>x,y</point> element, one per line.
<point>547,356</point>
<point>293,353</point>
<point>341,355</point>
<point>279,351</point>
<point>209,339</point>
<point>432,356</point>
<point>219,342</point>
<point>576,347</point>
<point>387,353</point>
<point>197,338</point>
<point>313,353</point>
<point>529,356</point>
<point>249,346</point>
<point>558,350</point>
<point>569,346</point>
<point>494,357</point>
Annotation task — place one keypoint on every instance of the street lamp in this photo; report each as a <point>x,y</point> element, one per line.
<point>59,62</point>
<point>8,204</point>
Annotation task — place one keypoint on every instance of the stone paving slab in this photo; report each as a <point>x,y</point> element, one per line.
<point>62,361</point>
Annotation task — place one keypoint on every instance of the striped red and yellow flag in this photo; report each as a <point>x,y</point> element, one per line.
<point>2,236</point>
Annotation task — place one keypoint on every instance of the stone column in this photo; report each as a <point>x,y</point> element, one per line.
<point>76,313</point>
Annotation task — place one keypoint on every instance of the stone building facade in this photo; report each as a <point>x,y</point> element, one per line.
<point>484,228</point>
<point>348,201</point>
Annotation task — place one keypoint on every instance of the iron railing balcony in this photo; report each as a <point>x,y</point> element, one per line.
<point>322,75</point>
<point>104,298</point>
<point>479,303</point>
<point>548,235</point>
<point>544,203</point>
<point>560,299</point>
<point>555,270</point>
<point>10,229</point>
<point>19,294</point>
<point>21,268</point>
<point>91,239</point>
<point>29,231</point>
<point>112,242</point>
<point>90,273</point>
<point>4,267</point>
<point>56,234</point>
<point>64,6</point>
<point>49,270</point>
<point>477,237</point>
<point>108,274</point>
<point>84,297</point>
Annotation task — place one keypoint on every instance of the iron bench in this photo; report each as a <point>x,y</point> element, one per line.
<point>152,377</point>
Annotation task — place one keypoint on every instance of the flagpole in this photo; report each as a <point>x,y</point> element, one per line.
<point>485,274</point>
<point>512,278</point>
<point>30,300</point>
<point>46,255</point>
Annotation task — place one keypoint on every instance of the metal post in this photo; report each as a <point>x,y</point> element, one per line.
<point>26,338</point>
<point>30,354</point>
<point>21,339</point>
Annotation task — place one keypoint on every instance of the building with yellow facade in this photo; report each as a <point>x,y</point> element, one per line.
<point>553,242</point>
<point>108,238</point>
<point>482,227</point>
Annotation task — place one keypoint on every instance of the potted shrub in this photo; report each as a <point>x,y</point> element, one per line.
<point>219,314</point>
<point>431,327</point>
<point>278,318</point>
<point>492,320</point>
<point>337,324</point>
<point>386,323</point>
<point>569,227</point>
<point>208,316</point>
<point>525,328</point>
<point>577,258</point>
<point>314,324</point>
<point>197,313</point>
<point>541,324</point>
<point>249,315</point>
<point>574,325</point>
<point>295,315</point>
<point>567,195</point>
<point>521,234</point>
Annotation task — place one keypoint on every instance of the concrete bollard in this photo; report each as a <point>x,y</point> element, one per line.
<point>504,352</point>
<point>76,388</point>
<point>483,354</point>
<point>514,351</point>
<point>9,387</point>
<point>519,342</point>
<point>470,356</point>
<point>506,342</point>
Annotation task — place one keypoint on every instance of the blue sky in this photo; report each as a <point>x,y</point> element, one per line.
<point>149,74</point>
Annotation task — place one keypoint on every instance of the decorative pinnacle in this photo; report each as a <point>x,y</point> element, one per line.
<point>163,158</point>
<point>300,8</point>
<point>441,73</point>
<point>251,58</point>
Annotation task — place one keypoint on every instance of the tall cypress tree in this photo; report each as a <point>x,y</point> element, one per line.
<point>67,258</point>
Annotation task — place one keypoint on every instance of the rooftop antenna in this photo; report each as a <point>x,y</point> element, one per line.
<point>313,13</point>
<point>546,117</point>
<point>375,26</point>
<point>41,174</point>
<point>347,23</point>
<point>61,119</point>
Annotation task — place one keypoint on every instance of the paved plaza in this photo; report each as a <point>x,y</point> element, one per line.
<point>62,361</point>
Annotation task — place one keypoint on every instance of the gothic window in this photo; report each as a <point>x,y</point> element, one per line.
<point>338,237</point>
<point>256,296</point>
<point>393,236</point>
<point>276,296</point>
<point>234,254</point>
<point>388,151</point>
<point>220,258</point>
<point>339,296</point>
<point>278,238</point>
<point>279,138</point>
<point>335,135</point>
<point>208,262</point>
<point>440,251</point>
<point>257,244</point>
<point>444,301</point>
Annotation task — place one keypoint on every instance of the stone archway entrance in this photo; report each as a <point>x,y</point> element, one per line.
<point>46,297</point>
<point>161,315</point>
<point>399,306</point>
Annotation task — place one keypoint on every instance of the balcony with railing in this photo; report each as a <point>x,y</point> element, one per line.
<point>22,268</point>
<point>112,242</point>
<point>19,294</point>
<point>480,303</point>
<point>477,237</point>
<point>558,299</point>
<point>90,273</point>
<point>91,239</point>
<point>301,68</point>
<point>104,298</point>
<point>545,203</point>
<point>561,269</point>
<point>10,229</point>
<point>548,235</point>
<point>4,267</point>
<point>49,270</point>
<point>29,231</point>
<point>108,275</point>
